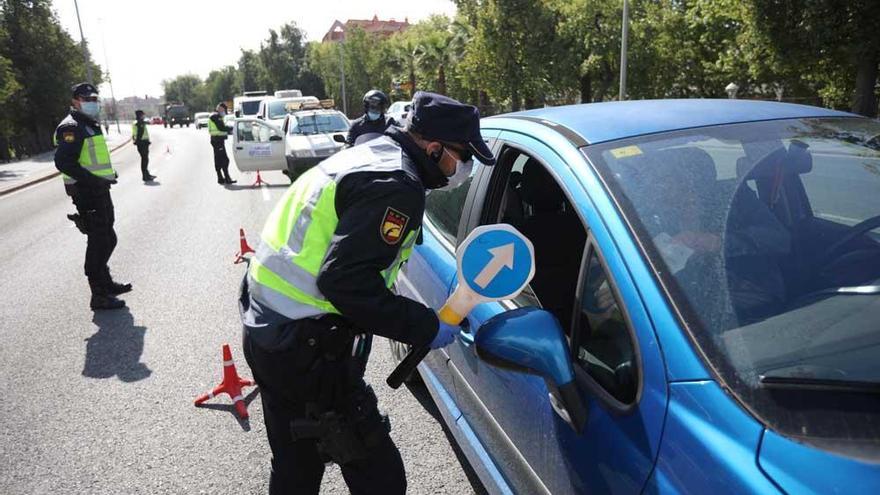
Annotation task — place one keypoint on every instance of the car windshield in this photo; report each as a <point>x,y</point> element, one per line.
<point>203,115</point>
<point>318,123</point>
<point>766,237</point>
<point>250,107</point>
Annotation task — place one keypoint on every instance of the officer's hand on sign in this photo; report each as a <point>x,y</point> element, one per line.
<point>445,335</point>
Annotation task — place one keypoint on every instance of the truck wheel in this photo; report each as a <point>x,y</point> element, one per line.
<point>187,124</point>
<point>165,124</point>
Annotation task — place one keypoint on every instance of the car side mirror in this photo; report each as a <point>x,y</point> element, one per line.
<point>530,340</point>
<point>274,137</point>
<point>339,138</point>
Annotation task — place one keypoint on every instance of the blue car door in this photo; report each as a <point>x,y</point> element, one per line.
<point>584,281</point>
<point>430,270</point>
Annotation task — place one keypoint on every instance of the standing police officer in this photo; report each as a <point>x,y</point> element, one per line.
<point>319,287</point>
<point>84,161</point>
<point>374,120</point>
<point>140,136</point>
<point>218,131</point>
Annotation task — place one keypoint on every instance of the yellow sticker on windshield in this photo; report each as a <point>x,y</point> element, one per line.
<point>626,151</point>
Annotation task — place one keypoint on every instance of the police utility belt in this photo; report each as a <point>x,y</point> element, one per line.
<point>341,411</point>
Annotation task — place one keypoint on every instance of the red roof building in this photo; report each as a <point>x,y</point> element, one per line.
<point>370,26</point>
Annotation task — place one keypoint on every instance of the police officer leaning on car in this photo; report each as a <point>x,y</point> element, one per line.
<point>373,121</point>
<point>319,287</point>
<point>218,131</point>
<point>84,161</point>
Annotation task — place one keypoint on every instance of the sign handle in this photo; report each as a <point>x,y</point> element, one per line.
<point>415,356</point>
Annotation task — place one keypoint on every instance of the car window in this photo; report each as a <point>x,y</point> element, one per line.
<point>244,131</point>
<point>262,133</point>
<point>603,344</point>
<point>318,123</point>
<point>525,194</point>
<point>444,208</point>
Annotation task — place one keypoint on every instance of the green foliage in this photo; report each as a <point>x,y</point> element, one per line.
<point>39,62</point>
<point>189,90</point>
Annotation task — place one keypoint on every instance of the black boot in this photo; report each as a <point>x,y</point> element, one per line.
<point>116,288</point>
<point>105,301</point>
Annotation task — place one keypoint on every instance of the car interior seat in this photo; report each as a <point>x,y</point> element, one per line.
<point>558,238</point>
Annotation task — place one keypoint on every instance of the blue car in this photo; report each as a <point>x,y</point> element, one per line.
<point>705,311</point>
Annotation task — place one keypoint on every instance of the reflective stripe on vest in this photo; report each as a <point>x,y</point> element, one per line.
<point>134,132</point>
<point>94,157</point>
<point>284,271</point>
<point>213,129</point>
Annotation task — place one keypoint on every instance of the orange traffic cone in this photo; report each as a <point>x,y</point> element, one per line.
<point>259,180</point>
<point>231,385</point>
<point>243,249</point>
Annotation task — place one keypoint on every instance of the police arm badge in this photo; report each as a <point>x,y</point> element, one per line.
<point>392,226</point>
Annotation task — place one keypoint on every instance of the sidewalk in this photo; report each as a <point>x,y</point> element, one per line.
<point>16,175</point>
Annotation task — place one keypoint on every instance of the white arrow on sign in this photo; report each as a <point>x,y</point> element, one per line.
<point>502,256</point>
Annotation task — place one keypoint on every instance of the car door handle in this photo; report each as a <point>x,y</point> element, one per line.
<point>467,338</point>
<point>239,147</point>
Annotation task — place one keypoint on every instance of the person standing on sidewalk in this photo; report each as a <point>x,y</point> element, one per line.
<point>218,131</point>
<point>140,136</point>
<point>83,159</point>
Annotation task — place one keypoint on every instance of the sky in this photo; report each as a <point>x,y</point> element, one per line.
<point>144,42</point>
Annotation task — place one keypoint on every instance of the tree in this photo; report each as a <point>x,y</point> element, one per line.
<point>44,62</point>
<point>189,90</point>
<point>249,71</point>
<point>831,43</point>
<point>221,85</point>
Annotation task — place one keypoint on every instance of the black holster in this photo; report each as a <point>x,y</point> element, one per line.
<point>341,412</point>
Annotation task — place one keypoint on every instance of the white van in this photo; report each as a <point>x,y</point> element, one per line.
<point>248,104</point>
<point>274,110</point>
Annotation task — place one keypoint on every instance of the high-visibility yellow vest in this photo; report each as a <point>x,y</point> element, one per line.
<point>134,132</point>
<point>283,273</point>
<point>94,156</point>
<point>213,130</point>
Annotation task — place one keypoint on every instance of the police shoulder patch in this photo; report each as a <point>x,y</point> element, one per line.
<point>392,226</point>
<point>68,137</point>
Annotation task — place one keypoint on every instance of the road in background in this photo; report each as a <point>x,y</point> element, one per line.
<point>102,402</point>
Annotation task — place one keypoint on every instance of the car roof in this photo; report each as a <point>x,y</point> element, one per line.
<point>608,121</point>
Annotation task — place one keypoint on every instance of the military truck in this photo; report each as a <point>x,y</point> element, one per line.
<point>177,113</point>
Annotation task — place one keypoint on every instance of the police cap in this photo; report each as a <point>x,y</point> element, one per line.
<point>84,90</point>
<point>437,117</point>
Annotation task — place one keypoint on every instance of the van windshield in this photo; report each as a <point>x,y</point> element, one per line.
<point>250,107</point>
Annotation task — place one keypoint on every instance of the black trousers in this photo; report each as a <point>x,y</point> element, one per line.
<point>144,150</point>
<point>221,160</point>
<point>297,465</point>
<point>96,209</point>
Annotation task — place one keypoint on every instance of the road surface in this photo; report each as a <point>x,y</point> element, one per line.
<point>102,402</point>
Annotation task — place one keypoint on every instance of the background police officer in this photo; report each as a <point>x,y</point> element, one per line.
<point>140,135</point>
<point>319,287</point>
<point>218,131</point>
<point>84,161</point>
<point>374,120</point>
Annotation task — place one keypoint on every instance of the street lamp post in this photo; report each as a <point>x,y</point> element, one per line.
<point>623,48</point>
<point>83,45</point>
<point>731,89</point>
<point>342,75</point>
<point>109,79</point>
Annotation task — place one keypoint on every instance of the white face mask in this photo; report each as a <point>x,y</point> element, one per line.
<point>90,108</point>
<point>462,173</point>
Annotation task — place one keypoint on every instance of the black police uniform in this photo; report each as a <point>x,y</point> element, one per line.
<point>311,367</point>
<point>221,159</point>
<point>91,196</point>
<point>363,125</point>
<point>143,148</point>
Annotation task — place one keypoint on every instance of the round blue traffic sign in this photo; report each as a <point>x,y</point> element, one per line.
<point>496,261</point>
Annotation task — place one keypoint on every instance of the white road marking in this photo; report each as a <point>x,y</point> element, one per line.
<point>265,190</point>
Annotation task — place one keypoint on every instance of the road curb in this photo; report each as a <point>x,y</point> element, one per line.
<point>45,177</point>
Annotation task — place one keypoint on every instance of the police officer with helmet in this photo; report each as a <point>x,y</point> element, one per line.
<point>374,120</point>
<point>218,131</point>
<point>319,287</point>
<point>140,136</point>
<point>84,161</point>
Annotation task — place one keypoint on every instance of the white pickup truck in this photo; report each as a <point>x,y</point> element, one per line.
<point>304,138</point>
